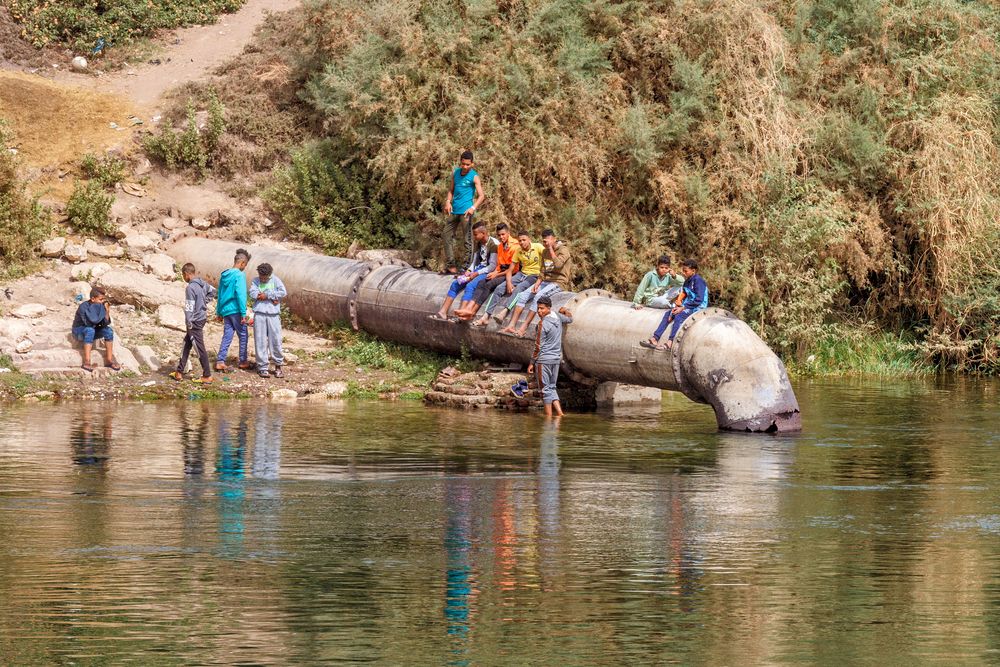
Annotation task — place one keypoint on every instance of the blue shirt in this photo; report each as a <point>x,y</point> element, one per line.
<point>695,293</point>
<point>464,193</point>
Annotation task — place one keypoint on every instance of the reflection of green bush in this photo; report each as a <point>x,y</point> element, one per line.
<point>80,23</point>
<point>332,203</point>
<point>827,161</point>
<point>23,223</point>
<point>89,209</point>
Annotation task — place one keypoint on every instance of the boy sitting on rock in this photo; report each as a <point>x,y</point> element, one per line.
<point>93,320</point>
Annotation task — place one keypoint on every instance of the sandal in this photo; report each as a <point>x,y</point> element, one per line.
<point>87,367</point>
<point>649,345</point>
<point>204,380</point>
<point>437,317</point>
<point>177,375</point>
<point>114,365</point>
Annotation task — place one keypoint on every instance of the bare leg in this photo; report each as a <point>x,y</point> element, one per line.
<point>548,409</point>
<point>524,327</point>
<point>87,347</point>
<point>445,306</point>
<point>109,351</point>
<point>513,320</point>
<point>558,409</point>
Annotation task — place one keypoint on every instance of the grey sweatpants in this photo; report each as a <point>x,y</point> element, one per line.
<point>267,340</point>
<point>548,376</point>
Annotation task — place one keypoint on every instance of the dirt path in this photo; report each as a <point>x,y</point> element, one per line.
<point>190,53</point>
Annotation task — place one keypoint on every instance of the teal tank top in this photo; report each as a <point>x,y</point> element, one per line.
<point>465,191</point>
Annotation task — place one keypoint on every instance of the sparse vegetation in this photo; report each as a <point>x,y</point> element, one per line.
<point>80,23</point>
<point>89,209</point>
<point>193,147</point>
<point>108,170</point>
<point>24,224</point>
<point>409,364</point>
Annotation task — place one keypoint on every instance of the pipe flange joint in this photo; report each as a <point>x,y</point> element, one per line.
<point>675,350</point>
<point>580,297</point>
<point>352,298</point>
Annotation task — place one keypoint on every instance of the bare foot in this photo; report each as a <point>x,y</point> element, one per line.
<point>520,333</point>
<point>509,330</point>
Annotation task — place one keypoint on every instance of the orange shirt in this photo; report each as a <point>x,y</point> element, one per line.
<point>505,256</point>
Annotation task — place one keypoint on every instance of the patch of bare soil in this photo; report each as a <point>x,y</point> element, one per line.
<point>16,52</point>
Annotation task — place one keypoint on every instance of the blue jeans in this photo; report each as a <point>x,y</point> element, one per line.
<point>467,289</point>
<point>88,334</point>
<point>232,324</point>
<point>678,320</point>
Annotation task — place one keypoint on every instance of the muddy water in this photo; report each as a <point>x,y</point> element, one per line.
<point>250,533</point>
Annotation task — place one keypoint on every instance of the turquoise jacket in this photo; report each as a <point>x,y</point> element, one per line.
<point>232,297</point>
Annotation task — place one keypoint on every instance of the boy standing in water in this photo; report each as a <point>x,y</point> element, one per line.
<point>232,309</point>
<point>267,291</point>
<point>196,297</point>
<point>693,298</point>
<point>548,353</point>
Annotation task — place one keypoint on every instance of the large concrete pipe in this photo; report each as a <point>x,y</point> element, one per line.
<point>716,358</point>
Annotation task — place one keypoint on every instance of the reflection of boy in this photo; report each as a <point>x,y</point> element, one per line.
<point>693,298</point>
<point>655,288</point>
<point>548,353</point>
<point>266,292</point>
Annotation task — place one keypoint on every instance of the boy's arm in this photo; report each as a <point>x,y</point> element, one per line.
<point>643,284</point>
<point>241,296</point>
<point>279,292</point>
<point>254,289</point>
<point>480,194</point>
<point>490,267</point>
<point>210,292</point>
<point>559,257</point>
<point>565,316</point>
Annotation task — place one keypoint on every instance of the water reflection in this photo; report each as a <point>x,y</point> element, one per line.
<point>257,533</point>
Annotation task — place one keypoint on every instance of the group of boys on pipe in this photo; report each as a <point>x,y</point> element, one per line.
<point>505,278</point>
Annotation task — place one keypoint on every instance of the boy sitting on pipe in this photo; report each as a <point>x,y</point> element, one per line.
<point>693,298</point>
<point>484,262</point>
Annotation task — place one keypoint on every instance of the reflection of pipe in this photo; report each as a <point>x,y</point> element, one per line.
<point>716,359</point>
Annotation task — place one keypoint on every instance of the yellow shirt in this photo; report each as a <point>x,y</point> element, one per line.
<point>530,259</point>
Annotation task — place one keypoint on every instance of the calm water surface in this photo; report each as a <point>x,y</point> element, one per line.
<point>252,533</point>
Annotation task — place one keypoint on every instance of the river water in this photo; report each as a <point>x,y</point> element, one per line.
<point>255,533</point>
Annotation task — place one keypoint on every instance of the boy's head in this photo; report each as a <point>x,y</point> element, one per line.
<point>187,272</point>
<point>241,260</point>
<point>524,240</point>
<point>503,232</point>
<point>98,295</point>
<point>549,237</point>
<point>264,271</point>
<point>479,232</point>
<point>689,267</point>
<point>544,306</point>
<point>466,162</point>
<point>662,265</point>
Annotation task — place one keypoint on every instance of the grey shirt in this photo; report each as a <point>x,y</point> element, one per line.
<point>548,344</point>
<point>196,295</point>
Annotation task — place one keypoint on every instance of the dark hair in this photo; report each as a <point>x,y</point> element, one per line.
<point>544,301</point>
<point>547,233</point>
<point>264,269</point>
<point>663,259</point>
<point>479,225</point>
<point>467,155</point>
<point>96,292</point>
<point>502,226</point>
<point>523,233</point>
<point>188,269</point>
<point>242,253</point>
<point>690,263</point>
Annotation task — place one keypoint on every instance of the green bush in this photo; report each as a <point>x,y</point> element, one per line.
<point>333,204</point>
<point>24,224</point>
<point>89,209</point>
<point>108,170</point>
<point>193,147</point>
<point>80,23</point>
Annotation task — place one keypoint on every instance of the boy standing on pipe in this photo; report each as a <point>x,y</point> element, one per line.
<point>267,291</point>
<point>196,297</point>
<point>231,308</point>
<point>693,298</point>
<point>465,196</point>
<point>548,353</point>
